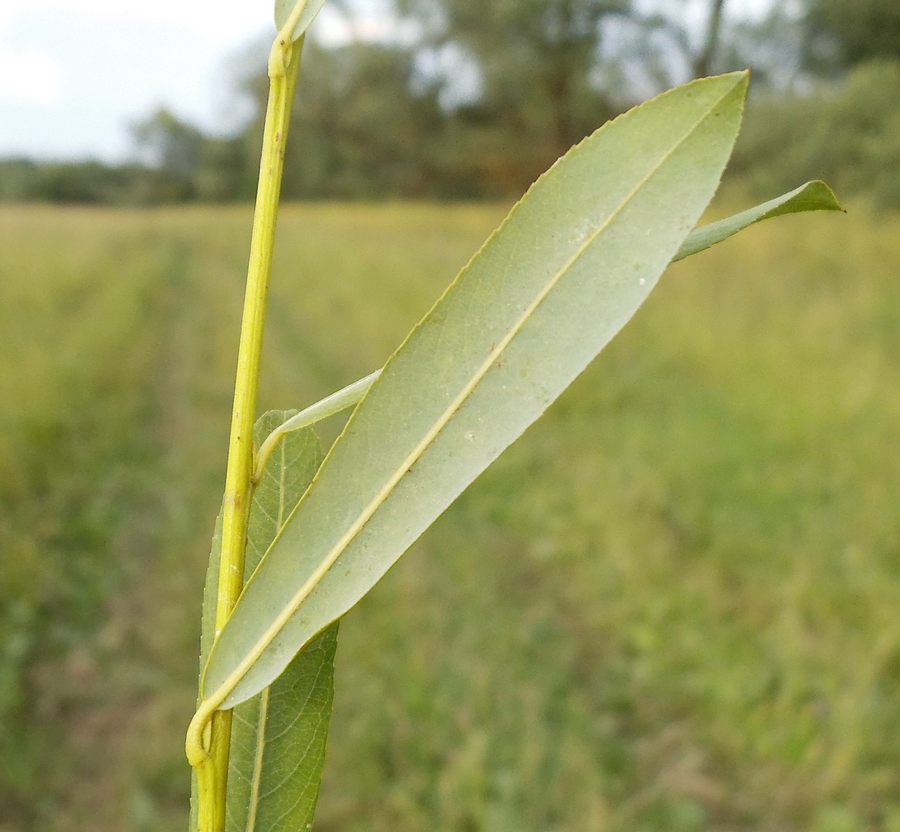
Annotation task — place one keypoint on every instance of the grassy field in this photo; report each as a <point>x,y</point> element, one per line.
<point>673,605</point>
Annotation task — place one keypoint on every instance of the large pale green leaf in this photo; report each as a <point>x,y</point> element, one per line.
<point>278,737</point>
<point>813,196</point>
<point>565,271</point>
<point>284,9</point>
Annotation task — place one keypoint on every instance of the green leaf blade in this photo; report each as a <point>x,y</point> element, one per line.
<point>278,737</point>
<point>562,275</point>
<point>207,637</point>
<point>813,196</point>
<point>278,745</point>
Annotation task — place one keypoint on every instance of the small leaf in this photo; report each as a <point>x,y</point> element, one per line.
<point>207,634</point>
<point>284,9</point>
<point>278,745</point>
<point>566,270</point>
<point>278,737</point>
<point>813,196</point>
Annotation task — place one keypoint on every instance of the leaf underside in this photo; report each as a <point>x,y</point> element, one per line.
<point>278,736</point>
<point>565,271</point>
<point>811,196</point>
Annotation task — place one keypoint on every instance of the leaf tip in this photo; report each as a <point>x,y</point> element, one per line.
<point>828,200</point>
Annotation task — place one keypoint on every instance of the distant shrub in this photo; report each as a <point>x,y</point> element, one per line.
<point>848,134</point>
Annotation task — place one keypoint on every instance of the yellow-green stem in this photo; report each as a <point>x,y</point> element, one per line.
<point>208,744</point>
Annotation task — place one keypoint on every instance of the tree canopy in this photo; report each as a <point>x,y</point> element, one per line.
<point>475,98</point>
<point>846,33</point>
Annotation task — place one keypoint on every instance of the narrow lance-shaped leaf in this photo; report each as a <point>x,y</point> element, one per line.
<point>278,737</point>
<point>565,271</point>
<point>813,196</point>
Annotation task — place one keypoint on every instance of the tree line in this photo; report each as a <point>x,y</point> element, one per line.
<point>483,96</point>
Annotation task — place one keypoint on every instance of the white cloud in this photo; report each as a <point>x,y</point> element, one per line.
<point>209,19</point>
<point>75,73</point>
<point>29,75</point>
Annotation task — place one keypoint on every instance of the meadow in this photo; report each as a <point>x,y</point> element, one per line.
<point>672,605</point>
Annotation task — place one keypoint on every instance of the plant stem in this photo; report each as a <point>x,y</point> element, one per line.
<point>208,744</point>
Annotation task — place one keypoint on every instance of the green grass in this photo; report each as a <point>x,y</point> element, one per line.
<point>672,605</point>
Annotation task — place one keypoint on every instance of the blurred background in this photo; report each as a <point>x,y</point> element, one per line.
<point>671,605</point>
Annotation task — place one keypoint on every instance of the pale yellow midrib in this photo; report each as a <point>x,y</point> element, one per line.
<point>256,782</point>
<point>258,760</point>
<point>234,678</point>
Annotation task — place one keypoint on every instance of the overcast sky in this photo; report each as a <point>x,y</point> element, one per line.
<point>75,73</point>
